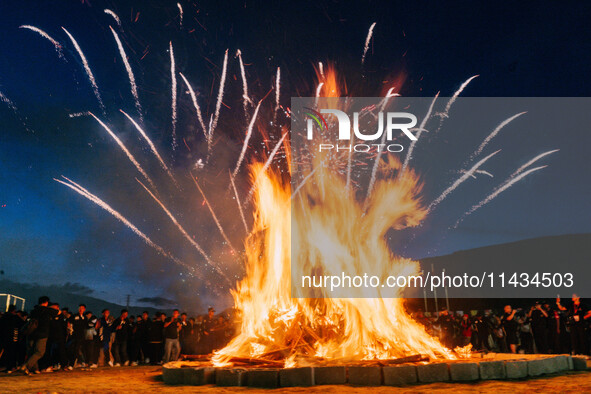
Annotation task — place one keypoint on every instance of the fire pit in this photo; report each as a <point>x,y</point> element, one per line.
<point>374,373</point>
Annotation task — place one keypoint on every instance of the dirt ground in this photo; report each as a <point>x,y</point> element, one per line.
<point>149,380</point>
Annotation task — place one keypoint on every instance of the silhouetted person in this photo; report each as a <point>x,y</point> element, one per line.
<point>509,324</point>
<point>172,347</point>
<point>557,335</point>
<point>156,338</point>
<point>78,322</point>
<point>58,331</point>
<point>90,334</point>
<point>446,322</point>
<point>121,327</point>
<point>105,329</point>
<point>143,329</point>
<point>39,319</point>
<point>539,324</point>
<point>134,343</point>
<point>208,325</point>
<point>577,315</point>
<point>10,325</point>
<point>482,326</point>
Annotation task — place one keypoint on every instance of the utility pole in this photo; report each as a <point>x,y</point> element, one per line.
<point>127,305</point>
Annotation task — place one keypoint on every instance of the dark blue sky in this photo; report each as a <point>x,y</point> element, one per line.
<point>50,235</point>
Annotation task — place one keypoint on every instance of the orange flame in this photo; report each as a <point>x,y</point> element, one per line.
<point>332,233</point>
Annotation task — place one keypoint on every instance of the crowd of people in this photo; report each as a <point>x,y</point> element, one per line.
<point>52,338</point>
<point>543,328</point>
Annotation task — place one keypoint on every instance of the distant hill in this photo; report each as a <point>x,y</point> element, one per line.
<point>543,250</point>
<point>68,295</point>
<point>547,254</point>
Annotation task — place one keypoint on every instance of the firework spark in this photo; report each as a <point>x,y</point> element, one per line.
<point>452,100</point>
<point>494,133</point>
<point>183,231</point>
<point>218,104</point>
<point>8,102</point>
<point>303,182</point>
<point>114,15</point>
<point>246,139</point>
<point>85,193</point>
<point>265,166</point>
<point>195,104</point>
<point>239,203</point>
<point>459,181</point>
<point>318,90</point>
<point>79,114</point>
<point>152,146</point>
<point>173,93</point>
<point>56,44</point>
<point>376,163</point>
<point>367,40</point>
<point>245,98</point>
<point>125,150</point>
<point>483,172</point>
<point>411,147</point>
<point>129,74</point>
<point>507,184</point>
<point>277,93</point>
<point>180,7</point>
<point>214,216</point>
<point>87,69</point>
<point>532,161</point>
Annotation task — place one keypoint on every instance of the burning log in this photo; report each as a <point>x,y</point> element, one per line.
<point>260,362</point>
<point>403,360</point>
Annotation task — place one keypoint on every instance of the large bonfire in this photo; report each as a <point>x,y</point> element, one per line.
<point>331,232</point>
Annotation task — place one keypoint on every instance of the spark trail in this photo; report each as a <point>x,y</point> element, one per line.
<point>507,184</point>
<point>265,166</point>
<point>85,193</point>
<point>277,93</point>
<point>218,105</point>
<point>239,204</point>
<point>129,74</point>
<point>56,44</point>
<point>152,146</point>
<point>8,102</point>
<point>367,40</point>
<point>114,15</point>
<point>173,93</point>
<point>125,150</point>
<point>195,104</point>
<point>452,100</point>
<point>303,182</point>
<point>183,231</point>
<point>411,147</point>
<point>318,90</point>
<point>246,139</point>
<point>532,161</point>
<point>245,98</point>
<point>214,216</point>
<point>180,7</point>
<point>459,181</point>
<point>87,69</point>
<point>494,133</point>
<point>374,170</point>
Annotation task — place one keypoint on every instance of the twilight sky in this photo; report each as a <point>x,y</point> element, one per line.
<point>49,234</point>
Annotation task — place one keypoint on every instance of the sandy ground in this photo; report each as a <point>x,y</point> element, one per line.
<point>149,380</point>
